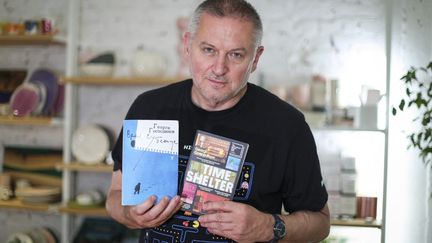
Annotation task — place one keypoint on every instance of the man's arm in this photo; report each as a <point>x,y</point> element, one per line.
<point>244,223</point>
<point>307,226</point>
<point>145,215</point>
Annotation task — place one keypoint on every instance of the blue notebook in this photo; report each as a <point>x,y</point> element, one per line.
<point>150,160</point>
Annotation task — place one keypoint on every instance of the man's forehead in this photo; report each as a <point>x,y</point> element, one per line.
<point>214,28</point>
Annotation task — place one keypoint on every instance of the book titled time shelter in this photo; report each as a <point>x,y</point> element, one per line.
<point>213,170</point>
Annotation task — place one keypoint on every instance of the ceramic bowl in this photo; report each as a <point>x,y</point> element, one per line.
<point>97,69</point>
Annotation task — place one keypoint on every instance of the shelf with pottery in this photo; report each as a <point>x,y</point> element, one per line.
<point>79,166</point>
<point>356,223</point>
<point>37,39</point>
<point>16,203</point>
<point>109,80</point>
<point>31,120</point>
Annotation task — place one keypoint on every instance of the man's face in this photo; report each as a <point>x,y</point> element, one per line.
<point>221,56</point>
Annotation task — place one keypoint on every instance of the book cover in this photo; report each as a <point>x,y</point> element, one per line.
<point>150,160</point>
<point>213,170</point>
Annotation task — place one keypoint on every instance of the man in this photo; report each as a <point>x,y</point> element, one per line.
<point>281,168</point>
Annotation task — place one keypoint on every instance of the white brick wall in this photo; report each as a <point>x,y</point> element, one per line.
<point>301,38</point>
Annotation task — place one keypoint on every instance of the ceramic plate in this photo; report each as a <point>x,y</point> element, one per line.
<point>49,79</point>
<point>49,236</point>
<point>42,98</point>
<point>90,144</point>
<point>59,104</point>
<point>25,99</point>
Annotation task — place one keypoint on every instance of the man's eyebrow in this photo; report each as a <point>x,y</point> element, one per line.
<point>242,49</point>
<point>205,43</point>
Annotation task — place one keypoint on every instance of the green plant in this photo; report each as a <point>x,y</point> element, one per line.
<point>418,82</point>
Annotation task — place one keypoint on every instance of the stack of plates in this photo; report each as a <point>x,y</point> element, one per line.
<point>40,95</point>
<point>40,194</point>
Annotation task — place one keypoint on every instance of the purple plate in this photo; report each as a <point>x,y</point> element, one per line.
<point>50,80</point>
<point>59,104</point>
<point>25,99</point>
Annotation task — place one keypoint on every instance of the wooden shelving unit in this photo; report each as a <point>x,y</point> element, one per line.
<point>37,39</point>
<point>77,166</point>
<point>31,120</point>
<point>356,223</point>
<point>121,80</point>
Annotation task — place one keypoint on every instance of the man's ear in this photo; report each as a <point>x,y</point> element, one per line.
<point>258,54</point>
<point>186,43</point>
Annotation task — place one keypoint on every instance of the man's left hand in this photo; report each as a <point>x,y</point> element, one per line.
<point>237,221</point>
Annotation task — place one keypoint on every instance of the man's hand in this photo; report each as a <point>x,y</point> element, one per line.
<point>237,221</point>
<point>148,214</point>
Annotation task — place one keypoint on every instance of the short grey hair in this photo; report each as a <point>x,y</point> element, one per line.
<point>228,8</point>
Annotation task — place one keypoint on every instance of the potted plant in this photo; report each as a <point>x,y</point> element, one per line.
<point>418,96</point>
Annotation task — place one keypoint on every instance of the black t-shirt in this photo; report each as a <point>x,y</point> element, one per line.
<point>281,166</point>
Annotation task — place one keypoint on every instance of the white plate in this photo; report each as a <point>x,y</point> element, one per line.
<point>20,238</point>
<point>90,144</point>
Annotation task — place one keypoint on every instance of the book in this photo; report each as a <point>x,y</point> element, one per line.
<point>150,160</point>
<point>213,170</point>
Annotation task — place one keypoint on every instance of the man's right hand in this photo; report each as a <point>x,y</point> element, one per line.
<point>148,214</point>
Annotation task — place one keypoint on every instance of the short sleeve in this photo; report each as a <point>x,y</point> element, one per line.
<point>304,188</point>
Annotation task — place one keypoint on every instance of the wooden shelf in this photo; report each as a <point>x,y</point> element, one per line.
<point>121,80</point>
<point>31,120</point>
<point>356,223</point>
<point>52,208</point>
<point>93,211</point>
<point>18,204</point>
<point>347,128</point>
<point>38,39</point>
<point>77,166</point>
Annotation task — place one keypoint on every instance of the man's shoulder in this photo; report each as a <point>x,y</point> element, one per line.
<point>270,103</point>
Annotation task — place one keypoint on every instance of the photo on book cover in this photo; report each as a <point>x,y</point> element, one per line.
<point>213,170</point>
<point>150,160</point>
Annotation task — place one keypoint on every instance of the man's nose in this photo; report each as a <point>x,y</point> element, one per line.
<point>220,66</point>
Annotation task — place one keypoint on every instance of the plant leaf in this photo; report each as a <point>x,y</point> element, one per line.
<point>402,105</point>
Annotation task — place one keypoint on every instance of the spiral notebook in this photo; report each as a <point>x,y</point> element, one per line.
<point>150,160</point>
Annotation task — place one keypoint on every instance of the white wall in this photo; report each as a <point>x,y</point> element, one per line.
<point>407,203</point>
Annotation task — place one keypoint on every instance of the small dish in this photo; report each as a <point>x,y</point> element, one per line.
<point>90,144</point>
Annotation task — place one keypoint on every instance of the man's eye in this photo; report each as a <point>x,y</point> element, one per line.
<point>236,55</point>
<point>208,50</point>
